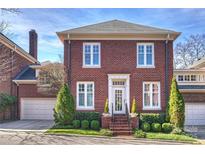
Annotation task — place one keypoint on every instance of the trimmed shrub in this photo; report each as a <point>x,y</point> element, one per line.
<point>167,127</point>
<point>152,118</point>
<point>87,116</point>
<point>85,124</point>
<point>145,127</point>
<point>139,134</point>
<point>156,127</point>
<point>95,125</point>
<point>6,100</point>
<point>176,106</point>
<point>134,106</point>
<point>106,108</point>
<point>76,124</point>
<point>64,110</point>
<point>106,132</point>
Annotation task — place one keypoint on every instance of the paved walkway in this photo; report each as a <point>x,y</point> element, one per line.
<point>37,138</point>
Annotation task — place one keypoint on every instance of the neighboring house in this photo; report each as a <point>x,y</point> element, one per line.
<point>19,77</point>
<point>191,83</point>
<point>120,61</point>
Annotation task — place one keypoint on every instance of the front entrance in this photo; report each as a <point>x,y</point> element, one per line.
<point>118,93</point>
<point>118,100</point>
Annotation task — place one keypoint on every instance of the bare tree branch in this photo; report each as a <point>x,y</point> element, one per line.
<point>190,51</point>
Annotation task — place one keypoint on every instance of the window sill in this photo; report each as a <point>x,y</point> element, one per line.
<point>91,67</point>
<point>145,67</point>
<point>159,108</point>
<point>85,108</point>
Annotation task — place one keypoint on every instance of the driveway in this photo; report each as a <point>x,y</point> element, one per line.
<point>38,138</point>
<point>198,131</point>
<point>26,125</point>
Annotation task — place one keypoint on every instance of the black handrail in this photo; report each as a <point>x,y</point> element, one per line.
<point>127,113</point>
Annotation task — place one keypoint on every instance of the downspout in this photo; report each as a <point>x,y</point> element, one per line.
<point>166,69</point>
<point>11,74</point>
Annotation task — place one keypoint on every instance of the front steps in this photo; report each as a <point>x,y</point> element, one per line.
<point>120,126</point>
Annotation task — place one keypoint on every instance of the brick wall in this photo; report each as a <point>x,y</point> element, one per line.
<point>19,63</point>
<point>194,97</point>
<point>120,57</point>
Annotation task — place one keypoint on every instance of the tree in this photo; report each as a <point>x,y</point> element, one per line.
<point>106,108</point>
<point>65,107</point>
<point>5,25</point>
<point>50,78</point>
<point>176,106</point>
<point>190,51</point>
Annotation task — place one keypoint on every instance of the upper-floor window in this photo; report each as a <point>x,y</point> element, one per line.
<point>187,78</point>
<point>91,55</point>
<point>145,54</point>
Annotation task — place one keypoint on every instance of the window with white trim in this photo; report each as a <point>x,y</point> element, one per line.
<point>151,95</point>
<point>91,54</point>
<point>85,95</point>
<point>145,54</point>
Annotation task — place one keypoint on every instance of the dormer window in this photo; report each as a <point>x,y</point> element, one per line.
<point>91,55</point>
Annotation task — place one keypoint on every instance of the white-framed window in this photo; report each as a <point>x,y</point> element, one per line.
<point>151,95</point>
<point>91,55</point>
<point>85,95</point>
<point>180,78</point>
<point>187,77</point>
<point>145,55</point>
<point>193,77</point>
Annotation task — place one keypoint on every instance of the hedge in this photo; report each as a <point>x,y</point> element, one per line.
<point>152,118</point>
<point>87,116</point>
<point>6,100</point>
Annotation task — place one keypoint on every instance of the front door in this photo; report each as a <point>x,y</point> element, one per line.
<point>119,100</point>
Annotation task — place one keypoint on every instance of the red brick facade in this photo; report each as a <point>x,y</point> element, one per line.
<point>119,57</point>
<point>194,97</point>
<point>19,63</point>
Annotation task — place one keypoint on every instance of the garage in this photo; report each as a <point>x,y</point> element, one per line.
<point>194,114</point>
<point>37,108</point>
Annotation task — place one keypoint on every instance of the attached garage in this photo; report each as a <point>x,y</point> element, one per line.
<point>194,114</point>
<point>37,108</point>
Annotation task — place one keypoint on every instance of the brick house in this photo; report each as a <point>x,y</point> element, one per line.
<point>18,77</point>
<point>120,61</point>
<point>191,83</point>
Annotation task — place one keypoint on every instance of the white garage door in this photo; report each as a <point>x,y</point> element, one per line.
<point>38,108</point>
<point>194,114</point>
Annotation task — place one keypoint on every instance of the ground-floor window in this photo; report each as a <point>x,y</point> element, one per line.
<point>151,95</point>
<point>85,95</point>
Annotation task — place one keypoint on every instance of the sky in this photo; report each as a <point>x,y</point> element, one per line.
<point>47,22</point>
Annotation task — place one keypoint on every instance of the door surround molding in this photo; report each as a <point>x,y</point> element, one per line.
<point>112,77</point>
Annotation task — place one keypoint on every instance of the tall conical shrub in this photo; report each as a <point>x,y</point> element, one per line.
<point>106,108</point>
<point>134,106</point>
<point>65,107</point>
<point>176,106</point>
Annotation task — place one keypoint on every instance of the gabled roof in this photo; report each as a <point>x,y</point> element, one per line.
<point>118,27</point>
<point>198,64</point>
<point>27,74</point>
<point>10,44</point>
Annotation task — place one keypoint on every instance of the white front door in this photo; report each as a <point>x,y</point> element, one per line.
<point>118,100</point>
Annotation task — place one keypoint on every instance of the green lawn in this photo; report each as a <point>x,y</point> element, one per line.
<point>174,137</point>
<point>73,131</point>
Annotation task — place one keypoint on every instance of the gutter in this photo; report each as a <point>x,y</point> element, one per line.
<point>166,69</point>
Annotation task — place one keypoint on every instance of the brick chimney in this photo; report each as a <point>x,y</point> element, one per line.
<point>33,43</point>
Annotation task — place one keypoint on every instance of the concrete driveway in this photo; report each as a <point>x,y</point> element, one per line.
<point>26,125</point>
<point>198,131</point>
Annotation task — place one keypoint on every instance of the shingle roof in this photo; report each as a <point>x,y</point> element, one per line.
<point>13,45</point>
<point>26,74</point>
<point>118,26</point>
<point>191,86</point>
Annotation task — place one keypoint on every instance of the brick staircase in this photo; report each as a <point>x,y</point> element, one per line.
<point>120,126</point>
